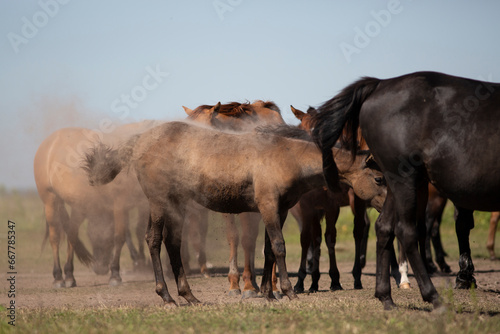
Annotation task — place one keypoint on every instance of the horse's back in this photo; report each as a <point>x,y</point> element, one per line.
<point>449,125</point>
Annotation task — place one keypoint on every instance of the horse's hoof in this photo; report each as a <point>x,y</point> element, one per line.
<point>71,283</point>
<point>358,286</point>
<point>336,287</point>
<point>389,305</point>
<point>465,284</point>
<point>170,305</point>
<point>234,292</point>
<point>313,288</point>
<point>298,289</point>
<point>405,285</point>
<point>277,295</point>
<point>249,294</point>
<point>58,284</point>
<point>113,281</point>
<point>439,306</point>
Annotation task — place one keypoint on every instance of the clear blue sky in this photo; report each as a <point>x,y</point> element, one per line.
<point>75,63</point>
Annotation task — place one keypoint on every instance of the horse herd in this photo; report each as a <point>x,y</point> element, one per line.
<point>402,145</point>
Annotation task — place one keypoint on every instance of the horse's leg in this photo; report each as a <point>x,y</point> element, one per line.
<point>274,249</point>
<point>490,244</point>
<point>315,235</point>
<point>249,232</point>
<point>134,254</point>
<point>410,205</point>
<point>359,211</point>
<point>384,230</point>
<point>190,221</point>
<point>75,221</point>
<point>463,224</point>
<point>54,214</point>
<point>364,241</point>
<point>274,283</point>
<point>395,273</point>
<point>172,238</point>
<point>304,219</point>
<point>429,223</point>
<point>438,247</point>
<point>404,282</point>
<point>154,237</point>
<point>331,216</point>
<point>140,232</point>
<point>434,214</point>
<point>201,246</point>
<point>121,221</point>
<point>232,238</point>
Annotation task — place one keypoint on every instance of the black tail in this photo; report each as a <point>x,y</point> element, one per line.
<point>80,250</point>
<point>102,164</point>
<point>340,115</point>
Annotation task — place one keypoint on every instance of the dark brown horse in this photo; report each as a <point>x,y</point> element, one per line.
<point>263,171</point>
<point>321,202</point>
<point>422,127</point>
<point>309,211</point>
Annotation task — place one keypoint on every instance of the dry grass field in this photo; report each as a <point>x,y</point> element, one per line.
<point>134,307</point>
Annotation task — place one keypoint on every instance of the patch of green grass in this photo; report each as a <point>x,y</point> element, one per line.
<point>323,316</point>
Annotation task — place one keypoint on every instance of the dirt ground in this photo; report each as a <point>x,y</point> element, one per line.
<point>34,290</point>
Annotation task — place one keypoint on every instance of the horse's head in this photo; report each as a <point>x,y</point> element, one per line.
<point>236,116</point>
<point>305,118</point>
<point>101,234</point>
<point>367,180</point>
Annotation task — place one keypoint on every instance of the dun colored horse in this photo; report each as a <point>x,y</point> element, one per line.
<point>264,171</point>
<point>238,117</point>
<point>60,181</point>
<point>421,127</point>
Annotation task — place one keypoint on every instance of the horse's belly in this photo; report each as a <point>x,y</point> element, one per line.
<point>226,198</point>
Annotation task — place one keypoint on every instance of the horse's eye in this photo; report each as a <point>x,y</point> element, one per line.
<point>379,181</point>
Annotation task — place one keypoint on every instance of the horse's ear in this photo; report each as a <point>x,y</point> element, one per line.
<point>371,163</point>
<point>187,110</point>
<point>215,109</point>
<point>298,113</point>
<point>312,110</point>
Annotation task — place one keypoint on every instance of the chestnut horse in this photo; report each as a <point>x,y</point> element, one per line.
<point>421,127</point>
<point>262,171</point>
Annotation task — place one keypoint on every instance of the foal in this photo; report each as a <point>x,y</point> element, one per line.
<point>262,171</point>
